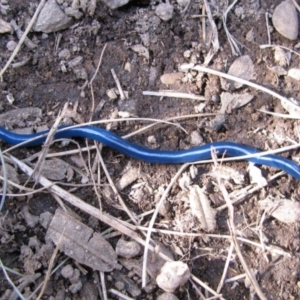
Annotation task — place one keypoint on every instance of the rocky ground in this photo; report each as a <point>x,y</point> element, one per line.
<point>123,63</point>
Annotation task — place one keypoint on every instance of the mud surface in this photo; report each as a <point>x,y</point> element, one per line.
<point>47,81</point>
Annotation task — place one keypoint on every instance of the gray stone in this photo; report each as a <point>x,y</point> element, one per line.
<point>285,20</point>
<point>52,18</point>
<point>113,4</point>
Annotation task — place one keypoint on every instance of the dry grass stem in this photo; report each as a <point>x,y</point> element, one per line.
<point>53,130</point>
<point>120,295</point>
<point>246,82</point>
<point>103,285</point>
<point>10,281</point>
<point>41,284</point>
<point>48,273</point>
<point>232,229</point>
<point>122,96</point>
<point>22,39</point>
<point>214,35</point>
<point>232,41</point>
<point>99,64</point>
<point>275,46</point>
<point>5,180</point>
<point>268,27</point>
<point>174,95</point>
<point>285,116</point>
<point>220,285</point>
<point>153,218</point>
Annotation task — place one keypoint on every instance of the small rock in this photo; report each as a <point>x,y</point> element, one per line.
<point>52,18</point>
<point>120,285</point>
<point>5,27</point>
<point>64,54</point>
<point>111,93</point>
<point>75,287</point>
<point>30,219</point>
<point>67,271</point>
<point>128,249</point>
<point>45,219</point>
<point>113,4</point>
<point>165,11</point>
<point>75,13</point>
<point>11,45</point>
<point>285,20</point>
<point>294,73</point>
<point>171,78</point>
<point>242,68</point>
<point>167,296</point>
<point>196,138</point>
<point>173,275</point>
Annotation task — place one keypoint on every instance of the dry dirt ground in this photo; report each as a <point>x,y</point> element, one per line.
<point>44,83</point>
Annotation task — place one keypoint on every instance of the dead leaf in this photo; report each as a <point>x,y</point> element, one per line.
<point>200,206</point>
<point>81,243</point>
<point>283,58</point>
<point>55,169</point>
<point>242,68</point>
<point>233,101</point>
<point>286,211</point>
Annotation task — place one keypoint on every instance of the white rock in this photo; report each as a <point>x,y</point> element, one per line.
<point>52,18</point>
<point>5,27</point>
<point>165,11</point>
<point>167,296</point>
<point>171,78</point>
<point>128,249</point>
<point>285,20</point>
<point>113,4</point>
<point>11,45</point>
<point>173,275</point>
<point>294,73</point>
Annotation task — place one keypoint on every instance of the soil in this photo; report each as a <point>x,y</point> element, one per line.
<point>44,83</point>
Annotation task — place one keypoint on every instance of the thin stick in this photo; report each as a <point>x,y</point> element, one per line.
<point>51,263</point>
<point>22,39</point>
<point>173,95</point>
<point>104,290</point>
<point>234,238</point>
<point>99,64</point>
<point>151,224</point>
<point>283,47</point>
<point>221,283</point>
<point>4,187</point>
<point>122,96</point>
<point>246,82</point>
<point>268,27</point>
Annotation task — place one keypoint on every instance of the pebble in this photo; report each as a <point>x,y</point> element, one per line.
<point>52,18</point>
<point>171,78</point>
<point>165,11</point>
<point>11,46</point>
<point>167,296</point>
<point>5,27</point>
<point>173,274</point>
<point>196,138</point>
<point>128,249</point>
<point>294,73</point>
<point>30,219</point>
<point>67,271</point>
<point>113,4</point>
<point>285,20</point>
<point>45,219</point>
